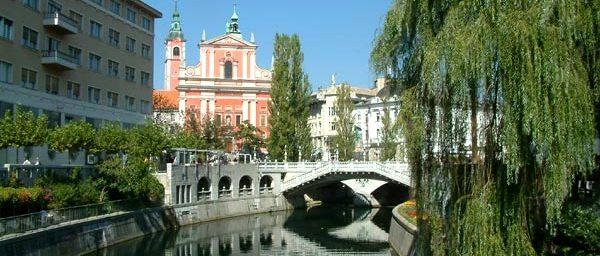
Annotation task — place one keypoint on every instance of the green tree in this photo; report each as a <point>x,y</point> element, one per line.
<point>147,140</point>
<point>389,134</point>
<point>250,136</point>
<point>212,133</point>
<point>72,137</point>
<point>508,85</point>
<point>290,101</point>
<point>344,123</point>
<point>25,130</point>
<point>111,138</point>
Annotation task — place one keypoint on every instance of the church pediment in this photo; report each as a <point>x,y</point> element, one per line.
<point>228,39</point>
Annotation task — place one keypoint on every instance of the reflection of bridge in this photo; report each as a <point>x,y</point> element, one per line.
<point>303,174</point>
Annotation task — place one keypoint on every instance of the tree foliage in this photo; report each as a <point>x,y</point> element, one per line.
<point>344,123</point>
<point>389,138</point>
<point>147,140</point>
<point>72,137</point>
<point>290,101</point>
<point>111,138</point>
<point>25,130</point>
<point>250,136</point>
<point>507,85</point>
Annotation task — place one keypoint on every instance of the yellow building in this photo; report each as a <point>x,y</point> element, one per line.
<point>71,60</point>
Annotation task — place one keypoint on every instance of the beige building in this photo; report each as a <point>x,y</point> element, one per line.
<point>86,60</point>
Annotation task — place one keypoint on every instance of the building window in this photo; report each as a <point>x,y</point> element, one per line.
<point>331,111</point>
<point>113,37</point>
<point>129,103</point>
<point>30,38</point>
<point>93,95</point>
<point>145,106</point>
<point>6,28</point>
<point>53,44</point>
<point>378,117</point>
<point>112,99</point>
<point>145,78</point>
<point>6,74</point>
<point>113,68</point>
<point>98,2</point>
<point>33,4</point>
<point>73,90</point>
<point>131,15</point>
<point>176,51</point>
<point>146,23</point>
<point>228,70</point>
<point>129,73</point>
<point>52,84</point>
<point>76,54</point>
<point>263,120</point>
<point>28,78</point>
<point>145,51</point>
<point>218,119</point>
<point>95,29</point>
<point>94,62</point>
<point>130,44</point>
<point>54,7</point>
<point>76,17</point>
<point>238,120</point>
<point>332,126</point>
<point>115,7</point>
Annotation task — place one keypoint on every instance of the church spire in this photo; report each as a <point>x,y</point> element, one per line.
<point>232,26</point>
<point>175,32</point>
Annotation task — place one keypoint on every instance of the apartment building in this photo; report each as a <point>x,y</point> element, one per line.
<point>72,60</point>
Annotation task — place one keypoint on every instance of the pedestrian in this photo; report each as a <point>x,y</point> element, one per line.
<point>26,162</point>
<point>37,161</point>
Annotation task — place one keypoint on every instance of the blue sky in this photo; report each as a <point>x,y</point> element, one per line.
<point>336,35</point>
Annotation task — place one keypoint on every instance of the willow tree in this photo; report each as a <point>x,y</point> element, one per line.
<point>290,101</point>
<point>344,123</point>
<point>497,113</point>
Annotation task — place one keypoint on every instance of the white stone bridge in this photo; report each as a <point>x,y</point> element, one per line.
<point>304,175</point>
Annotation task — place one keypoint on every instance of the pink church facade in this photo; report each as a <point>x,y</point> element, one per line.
<point>225,84</point>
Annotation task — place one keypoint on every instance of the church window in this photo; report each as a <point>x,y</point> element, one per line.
<point>176,51</point>
<point>228,70</point>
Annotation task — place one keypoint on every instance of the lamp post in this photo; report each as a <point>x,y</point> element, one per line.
<point>337,152</point>
<point>285,153</point>
<point>299,153</point>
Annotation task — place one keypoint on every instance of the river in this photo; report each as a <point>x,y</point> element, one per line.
<point>321,230</point>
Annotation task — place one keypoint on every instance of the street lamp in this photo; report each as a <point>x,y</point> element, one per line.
<point>299,153</point>
<point>285,153</point>
<point>337,152</point>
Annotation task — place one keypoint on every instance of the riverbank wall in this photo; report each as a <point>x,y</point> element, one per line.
<point>402,235</point>
<point>88,235</point>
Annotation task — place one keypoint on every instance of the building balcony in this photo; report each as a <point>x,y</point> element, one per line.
<point>60,23</point>
<point>59,60</point>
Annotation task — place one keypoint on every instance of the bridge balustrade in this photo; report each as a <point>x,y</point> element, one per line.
<point>225,193</point>
<point>244,191</point>
<point>266,190</point>
<point>203,195</point>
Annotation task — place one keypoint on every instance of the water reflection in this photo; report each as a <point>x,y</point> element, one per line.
<point>320,230</point>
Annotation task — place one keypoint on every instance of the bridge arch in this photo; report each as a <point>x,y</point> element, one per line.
<point>245,187</point>
<point>224,186</point>
<point>203,192</point>
<point>266,184</point>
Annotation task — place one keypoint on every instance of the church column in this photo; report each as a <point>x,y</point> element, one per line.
<point>244,110</point>
<point>212,63</point>
<point>245,65</point>
<point>253,112</point>
<point>252,64</point>
<point>182,100</point>
<point>203,107</point>
<point>205,63</point>
<point>211,107</point>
